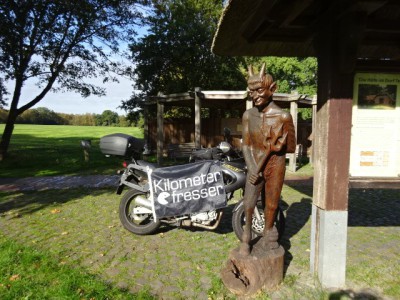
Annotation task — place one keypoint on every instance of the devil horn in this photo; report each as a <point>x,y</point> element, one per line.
<point>250,69</point>
<point>262,71</point>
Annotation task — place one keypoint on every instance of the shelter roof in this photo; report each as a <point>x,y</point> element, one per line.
<point>287,27</point>
<point>227,99</point>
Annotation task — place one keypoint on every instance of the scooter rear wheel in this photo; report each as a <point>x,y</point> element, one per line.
<point>257,228</point>
<point>138,223</point>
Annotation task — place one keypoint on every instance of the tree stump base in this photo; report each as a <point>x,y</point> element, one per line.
<point>244,275</point>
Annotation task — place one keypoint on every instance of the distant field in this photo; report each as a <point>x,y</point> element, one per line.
<point>44,150</point>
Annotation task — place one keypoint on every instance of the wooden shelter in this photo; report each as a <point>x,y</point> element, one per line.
<point>199,132</point>
<point>346,37</point>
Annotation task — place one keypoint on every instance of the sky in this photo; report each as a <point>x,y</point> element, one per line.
<point>74,103</point>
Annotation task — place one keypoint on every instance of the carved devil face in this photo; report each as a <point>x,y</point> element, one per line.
<point>261,87</point>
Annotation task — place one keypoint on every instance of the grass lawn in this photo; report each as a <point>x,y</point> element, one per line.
<point>44,150</point>
<point>26,273</point>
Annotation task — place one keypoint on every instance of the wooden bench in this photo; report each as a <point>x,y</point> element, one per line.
<point>183,150</point>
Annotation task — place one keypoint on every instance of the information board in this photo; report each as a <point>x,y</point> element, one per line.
<point>375,136</point>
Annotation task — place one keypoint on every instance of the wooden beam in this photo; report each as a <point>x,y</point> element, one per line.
<point>249,104</point>
<point>146,126</point>
<point>383,25</point>
<point>381,38</point>
<point>296,10</point>
<point>295,35</point>
<point>334,13</point>
<point>292,157</point>
<point>332,142</point>
<point>334,108</point>
<point>160,132</point>
<point>374,183</point>
<point>378,65</point>
<point>313,129</point>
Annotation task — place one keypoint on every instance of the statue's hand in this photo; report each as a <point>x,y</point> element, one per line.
<point>275,139</point>
<point>254,178</point>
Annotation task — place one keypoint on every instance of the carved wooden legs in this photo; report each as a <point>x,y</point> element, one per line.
<point>273,176</point>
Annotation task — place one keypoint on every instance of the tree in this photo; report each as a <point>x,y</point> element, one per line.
<point>108,118</point>
<point>40,115</point>
<point>3,92</point>
<point>175,55</point>
<point>60,43</point>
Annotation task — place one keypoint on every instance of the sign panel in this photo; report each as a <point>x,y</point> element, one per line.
<point>189,188</point>
<point>375,140</point>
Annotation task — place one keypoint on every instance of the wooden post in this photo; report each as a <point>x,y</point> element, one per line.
<point>197,118</point>
<point>313,129</point>
<point>249,104</point>
<point>336,46</point>
<point>146,125</point>
<point>160,131</point>
<point>86,145</point>
<point>292,156</point>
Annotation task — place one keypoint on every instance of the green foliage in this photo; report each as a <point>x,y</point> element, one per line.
<point>175,55</point>
<point>305,113</point>
<point>178,112</point>
<point>107,118</point>
<point>81,120</point>
<point>123,121</point>
<point>3,93</point>
<point>290,73</point>
<point>3,115</point>
<point>41,115</point>
<point>45,116</point>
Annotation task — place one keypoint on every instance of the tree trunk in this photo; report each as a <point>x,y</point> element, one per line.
<point>7,133</point>
<point>15,111</point>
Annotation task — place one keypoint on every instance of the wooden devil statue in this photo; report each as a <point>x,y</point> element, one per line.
<point>268,134</point>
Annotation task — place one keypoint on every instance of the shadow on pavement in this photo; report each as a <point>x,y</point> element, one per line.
<point>350,294</point>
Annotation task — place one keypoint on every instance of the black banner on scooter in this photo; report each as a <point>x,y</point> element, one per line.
<point>189,188</point>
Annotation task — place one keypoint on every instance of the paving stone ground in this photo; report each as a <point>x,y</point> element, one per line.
<point>81,227</point>
<point>57,182</point>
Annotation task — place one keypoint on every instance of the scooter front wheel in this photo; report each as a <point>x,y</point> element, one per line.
<point>134,217</point>
<point>257,226</point>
